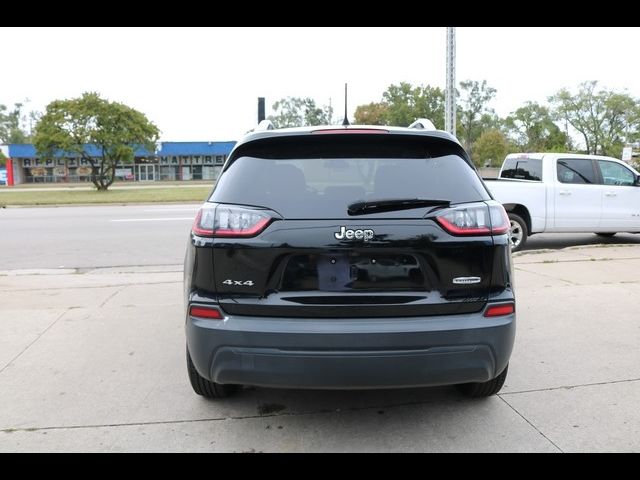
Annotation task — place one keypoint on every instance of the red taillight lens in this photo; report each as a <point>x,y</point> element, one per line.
<point>230,221</point>
<point>211,313</point>
<point>204,221</point>
<point>499,220</point>
<point>478,219</point>
<point>500,310</point>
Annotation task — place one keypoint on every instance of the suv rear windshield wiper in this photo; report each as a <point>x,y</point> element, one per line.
<point>390,205</point>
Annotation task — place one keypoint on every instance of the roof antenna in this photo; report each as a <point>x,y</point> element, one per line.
<point>345,122</point>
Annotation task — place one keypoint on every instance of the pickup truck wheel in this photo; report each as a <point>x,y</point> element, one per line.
<point>484,389</point>
<point>204,387</point>
<point>605,235</point>
<point>518,232</point>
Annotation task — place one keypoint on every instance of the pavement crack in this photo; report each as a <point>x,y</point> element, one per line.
<point>217,419</point>
<point>36,339</point>
<point>585,260</point>
<point>531,424</point>
<point>570,387</point>
<point>112,295</point>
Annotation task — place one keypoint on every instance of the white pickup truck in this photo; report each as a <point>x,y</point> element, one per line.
<point>563,192</point>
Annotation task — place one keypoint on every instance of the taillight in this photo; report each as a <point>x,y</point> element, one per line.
<point>500,310</point>
<point>478,219</point>
<point>230,221</point>
<point>499,220</point>
<point>212,313</point>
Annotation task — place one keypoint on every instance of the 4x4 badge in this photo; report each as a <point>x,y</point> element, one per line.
<point>349,234</point>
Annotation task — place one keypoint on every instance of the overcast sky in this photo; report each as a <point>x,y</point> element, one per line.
<point>203,83</point>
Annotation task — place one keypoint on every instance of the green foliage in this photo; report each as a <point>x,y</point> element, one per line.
<point>606,119</point>
<point>533,130</point>
<point>299,112</point>
<point>406,103</point>
<point>374,113</point>
<point>402,104</point>
<point>474,115</point>
<point>11,130</point>
<point>115,129</point>
<point>492,146</point>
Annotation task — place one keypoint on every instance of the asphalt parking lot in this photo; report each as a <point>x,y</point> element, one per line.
<point>93,360</point>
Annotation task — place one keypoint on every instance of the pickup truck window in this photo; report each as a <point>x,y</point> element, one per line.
<point>575,170</point>
<point>616,174</point>
<point>522,169</point>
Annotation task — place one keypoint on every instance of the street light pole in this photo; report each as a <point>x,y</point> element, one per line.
<point>450,89</point>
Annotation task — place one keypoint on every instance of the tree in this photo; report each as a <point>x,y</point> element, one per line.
<point>533,130</point>
<point>11,130</point>
<point>298,112</point>
<point>406,103</point>
<point>374,113</point>
<point>491,146</point>
<point>115,129</point>
<point>474,115</point>
<point>402,104</point>
<point>604,118</point>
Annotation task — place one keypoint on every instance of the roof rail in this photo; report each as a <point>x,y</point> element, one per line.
<point>423,124</point>
<point>264,125</point>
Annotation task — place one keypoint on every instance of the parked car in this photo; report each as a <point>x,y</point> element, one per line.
<point>565,192</point>
<point>349,258</point>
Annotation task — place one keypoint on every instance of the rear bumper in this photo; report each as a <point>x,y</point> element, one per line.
<point>351,353</point>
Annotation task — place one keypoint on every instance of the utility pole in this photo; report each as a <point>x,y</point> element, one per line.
<point>450,89</point>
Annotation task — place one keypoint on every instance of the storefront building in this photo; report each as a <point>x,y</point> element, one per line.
<point>171,161</point>
<point>188,161</point>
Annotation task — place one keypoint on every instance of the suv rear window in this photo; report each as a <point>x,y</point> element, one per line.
<point>321,182</point>
<point>522,169</point>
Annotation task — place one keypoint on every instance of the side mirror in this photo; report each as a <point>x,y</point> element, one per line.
<point>637,184</point>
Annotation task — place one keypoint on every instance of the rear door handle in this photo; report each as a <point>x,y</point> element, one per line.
<point>565,192</point>
<point>610,194</point>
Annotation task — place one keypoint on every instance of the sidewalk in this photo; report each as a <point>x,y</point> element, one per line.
<point>93,360</point>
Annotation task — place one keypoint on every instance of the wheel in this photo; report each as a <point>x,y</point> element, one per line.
<point>606,235</point>
<point>484,389</point>
<point>518,232</point>
<point>204,387</point>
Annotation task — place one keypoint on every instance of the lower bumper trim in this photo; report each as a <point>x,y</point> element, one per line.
<point>354,369</point>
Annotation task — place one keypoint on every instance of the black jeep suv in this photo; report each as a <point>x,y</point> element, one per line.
<point>349,258</point>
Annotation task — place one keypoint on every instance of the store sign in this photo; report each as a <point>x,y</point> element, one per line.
<point>83,171</point>
<point>627,153</point>
<point>3,176</point>
<point>58,162</point>
<point>38,171</point>
<point>60,171</point>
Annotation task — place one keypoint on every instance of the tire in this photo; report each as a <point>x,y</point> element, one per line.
<point>204,387</point>
<point>484,389</point>
<point>606,235</point>
<point>518,233</point>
